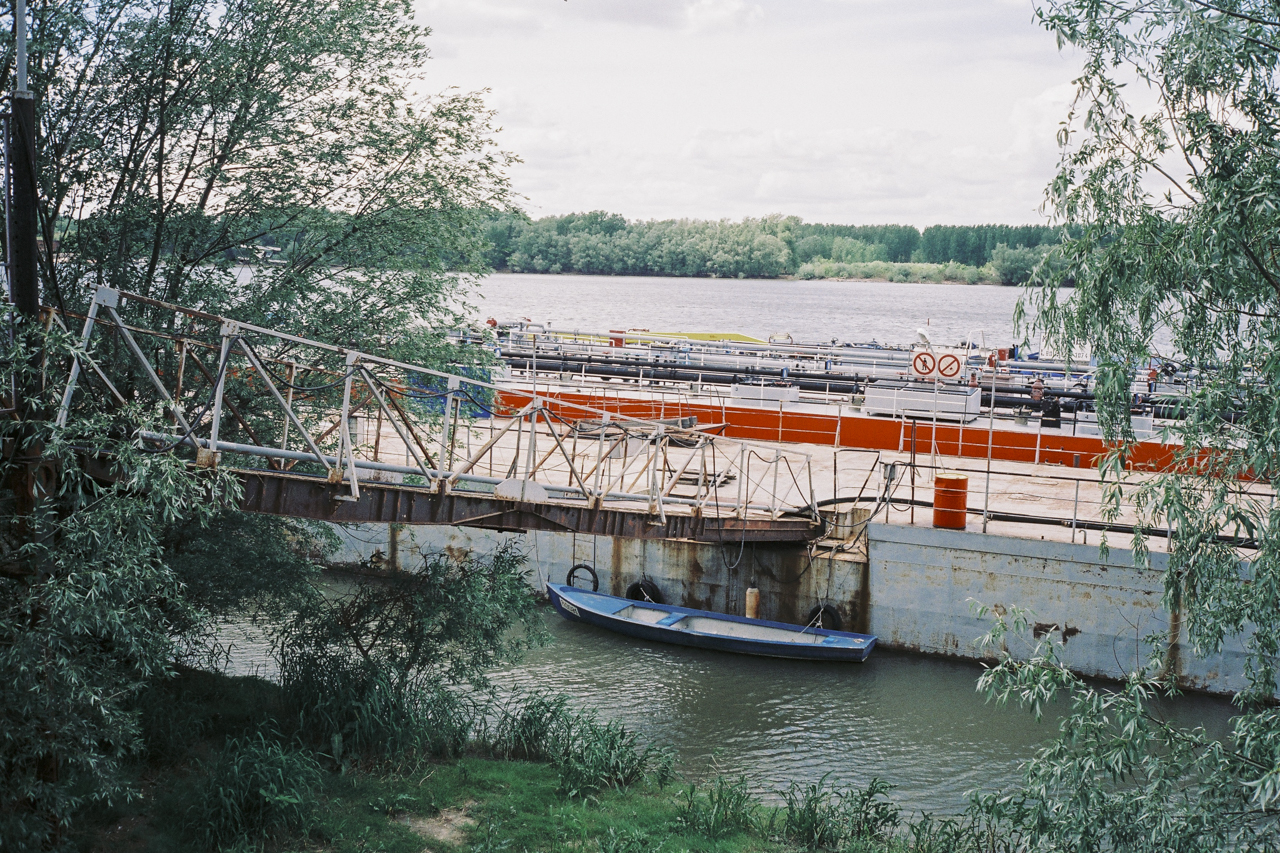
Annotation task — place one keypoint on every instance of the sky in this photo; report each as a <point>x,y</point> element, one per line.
<point>917,112</point>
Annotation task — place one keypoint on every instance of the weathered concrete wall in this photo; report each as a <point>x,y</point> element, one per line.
<point>706,576</point>
<point>914,591</point>
<point>923,582</point>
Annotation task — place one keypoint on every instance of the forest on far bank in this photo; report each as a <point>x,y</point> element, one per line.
<point>602,243</point>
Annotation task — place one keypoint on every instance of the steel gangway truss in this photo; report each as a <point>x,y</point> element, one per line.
<point>321,431</point>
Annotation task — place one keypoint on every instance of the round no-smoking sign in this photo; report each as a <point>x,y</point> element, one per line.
<point>924,363</point>
<point>949,366</point>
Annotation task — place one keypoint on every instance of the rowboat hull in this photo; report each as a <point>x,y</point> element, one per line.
<point>702,629</point>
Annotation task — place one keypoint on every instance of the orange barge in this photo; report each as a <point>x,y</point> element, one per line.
<point>815,423</point>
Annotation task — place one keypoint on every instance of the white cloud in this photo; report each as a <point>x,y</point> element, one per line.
<point>840,110</point>
<point>719,14</point>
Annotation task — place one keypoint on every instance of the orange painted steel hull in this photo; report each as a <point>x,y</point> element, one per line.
<point>864,432</point>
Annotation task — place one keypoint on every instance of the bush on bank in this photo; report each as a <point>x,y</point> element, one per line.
<point>535,774</point>
<point>885,271</point>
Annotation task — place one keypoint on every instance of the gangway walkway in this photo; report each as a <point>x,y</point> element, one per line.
<point>318,431</point>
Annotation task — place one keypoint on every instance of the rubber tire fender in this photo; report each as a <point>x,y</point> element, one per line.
<point>826,617</point>
<point>586,568</point>
<point>645,590</point>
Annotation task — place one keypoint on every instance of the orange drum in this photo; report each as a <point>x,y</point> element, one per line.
<point>950,500</point>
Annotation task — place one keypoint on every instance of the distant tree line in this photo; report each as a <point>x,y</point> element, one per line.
<point>974,244</point>
<point>603,243</point>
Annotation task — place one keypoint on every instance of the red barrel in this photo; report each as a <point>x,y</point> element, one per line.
<point>950,500</point>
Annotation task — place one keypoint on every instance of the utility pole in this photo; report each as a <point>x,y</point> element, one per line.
<point>24,286</point>
<point>29,475</point>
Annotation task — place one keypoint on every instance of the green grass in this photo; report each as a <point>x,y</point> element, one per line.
<point>516,806</point>
<point>224,774</point>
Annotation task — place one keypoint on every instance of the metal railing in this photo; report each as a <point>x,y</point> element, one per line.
<point>423,416</point>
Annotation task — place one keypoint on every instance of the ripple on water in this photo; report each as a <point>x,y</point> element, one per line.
<point>916,722</point>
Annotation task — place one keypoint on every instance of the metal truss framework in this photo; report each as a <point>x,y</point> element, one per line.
<point>564,466</point>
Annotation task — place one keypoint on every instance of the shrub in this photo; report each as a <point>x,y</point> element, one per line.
<point>725,808</point>
<point>590,755</point>
<point>381,666</point>
<point>812,816</point>
<point>599,756</point>
<point>362,712</point>
<point>1015,265</point>
<point>817,817</point>
<point>869,813</point>
<point>256,789</point>
<point>536,729</point>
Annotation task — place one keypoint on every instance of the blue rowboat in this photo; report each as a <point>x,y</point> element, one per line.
<point>702,629</point>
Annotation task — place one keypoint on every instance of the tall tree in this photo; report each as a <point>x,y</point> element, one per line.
<point>179,143</point>
<point>1170,176</point>
<point>180,137</point>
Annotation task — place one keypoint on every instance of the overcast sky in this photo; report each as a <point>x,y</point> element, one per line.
<point>853,111</point>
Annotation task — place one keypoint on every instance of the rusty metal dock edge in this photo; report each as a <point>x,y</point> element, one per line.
<point>914,589</point>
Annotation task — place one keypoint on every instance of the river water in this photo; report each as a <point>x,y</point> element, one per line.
<point>812,311</point>
<point>916,722</point>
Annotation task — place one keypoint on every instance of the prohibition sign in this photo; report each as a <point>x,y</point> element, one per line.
<point>923,363</point>
<point>949,366</point>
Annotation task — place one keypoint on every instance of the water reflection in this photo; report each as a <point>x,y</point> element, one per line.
<point>916,722</point>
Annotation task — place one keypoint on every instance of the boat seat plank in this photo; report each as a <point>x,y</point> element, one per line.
<point>610,607</point>
<point>672,619</point>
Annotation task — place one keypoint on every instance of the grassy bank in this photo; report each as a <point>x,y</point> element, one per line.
<point>225,771</point>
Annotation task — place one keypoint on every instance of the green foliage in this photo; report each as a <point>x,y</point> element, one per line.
<point>815,240</point>
<point>1170,195</point>
<point>817,817</point>
<point>590,755</point>
<point>848,251</point>
<point>605,755</point>
<point>606,244</point>
<point>975,245</point>
<point>536,728</point>
<point>1120,776</point>
<point>724,808</point>
<point>253,566</point>
<point>883,271</point>
<point>373,665</point>
<point>179,146</point>
<point>256,788</point>
<point>88,607</point>
<point>184,147</point>
<point>1015,266</point>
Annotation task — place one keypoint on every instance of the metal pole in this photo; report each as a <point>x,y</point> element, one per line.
<point>445,457</point>
<point>288,404</point>
<point>20,35</point>
<point>1075,511</point>
<point>65,408</point>
<point>24,286</point>
<point>991,431</point>
<point>345,451</point>
<point>210,459</point>
<point>913,472</point>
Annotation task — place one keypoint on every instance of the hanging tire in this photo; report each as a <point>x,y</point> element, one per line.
<point>582,569</point>
<point>826,617</point>
<point>645,590</point>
